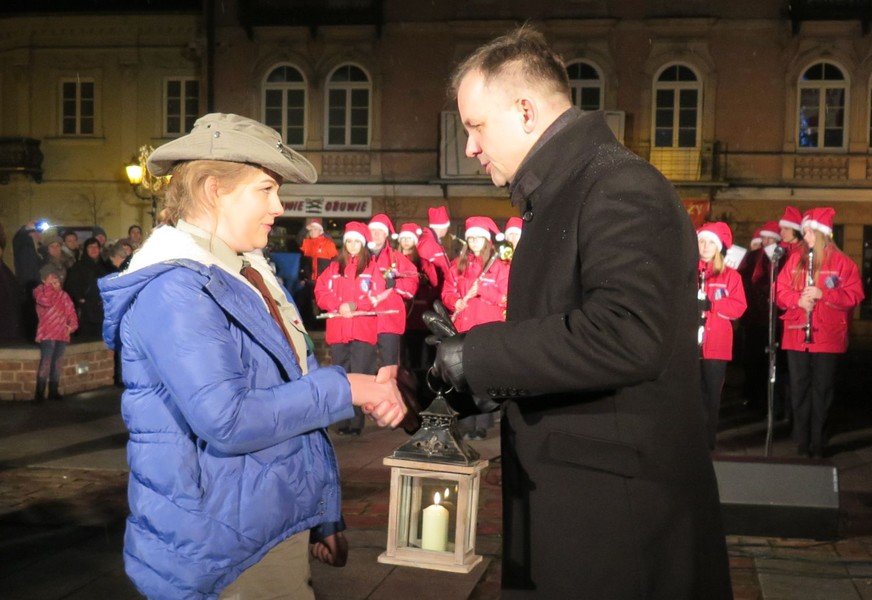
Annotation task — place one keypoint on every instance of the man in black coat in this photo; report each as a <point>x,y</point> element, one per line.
<point>608,488</point>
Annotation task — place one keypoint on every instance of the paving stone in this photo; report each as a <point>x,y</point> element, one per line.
<point>791,586</point>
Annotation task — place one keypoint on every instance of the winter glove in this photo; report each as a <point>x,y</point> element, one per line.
<point>438,321</point>
<point>449,362</point>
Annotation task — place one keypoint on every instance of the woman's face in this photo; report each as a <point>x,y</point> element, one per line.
<point>476,244</point>
<point>513,238</point>
<point>406,243</point>
<point>246,213</point>
<point>809,236</point>
<point>54,250</point>
<point>353,246</point>
<point>707,249</point>
<point>93,251</point>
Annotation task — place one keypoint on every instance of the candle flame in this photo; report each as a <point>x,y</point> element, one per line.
<point>447,493</point>
<point>436,498</point>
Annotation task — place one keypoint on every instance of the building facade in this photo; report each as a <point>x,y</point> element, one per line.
<point>747,109</point>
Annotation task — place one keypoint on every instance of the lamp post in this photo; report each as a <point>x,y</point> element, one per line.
<point>146,186</point>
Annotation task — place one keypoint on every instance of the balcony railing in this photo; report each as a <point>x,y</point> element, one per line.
<point>22,156</point>
<point>705,163</point>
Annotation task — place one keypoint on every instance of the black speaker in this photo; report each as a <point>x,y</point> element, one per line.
<point>777,498</point>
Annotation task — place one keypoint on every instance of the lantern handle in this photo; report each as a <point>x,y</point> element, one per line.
<point>440,391</point>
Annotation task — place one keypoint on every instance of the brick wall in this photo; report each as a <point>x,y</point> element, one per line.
<point>18,367</point>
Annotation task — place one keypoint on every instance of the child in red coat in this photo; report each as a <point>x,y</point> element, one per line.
<point>821,304</point>
<point>57,320</point>
<point>722,301</point>
<point>352,284</point>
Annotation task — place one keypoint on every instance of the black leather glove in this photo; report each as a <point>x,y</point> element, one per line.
<point>704,304</point>
<point>449,362</point>
<point>439,322</point>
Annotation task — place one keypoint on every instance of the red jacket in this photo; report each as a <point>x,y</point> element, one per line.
<point>428,292</point>
<point>431,250</point>
<point>489,304</point>
<point>318,249</point>
<point>406,284</point>
<point>839,280</point>
<point>727,296</point>
<point>333,289</point>
<point>57,315</point>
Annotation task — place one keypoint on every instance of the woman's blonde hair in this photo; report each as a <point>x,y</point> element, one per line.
<point>184,196</point>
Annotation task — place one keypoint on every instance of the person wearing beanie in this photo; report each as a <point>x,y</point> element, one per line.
<point>755,271</point>
<point>790,229</point>
<point>350,285</point>
<point>232,474</point>
<point>318,250</point>
<point>721,301</point>
<point>818,288</point>
<point>57,320</point>
<point>417,354</point>
<point>53,253</point>
<point>477,295</point>
<point>401,279</point>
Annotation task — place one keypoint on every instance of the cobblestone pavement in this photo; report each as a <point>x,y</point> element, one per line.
<point>63,501</point>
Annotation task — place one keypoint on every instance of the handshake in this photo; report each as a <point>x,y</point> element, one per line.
<point>389,398</point>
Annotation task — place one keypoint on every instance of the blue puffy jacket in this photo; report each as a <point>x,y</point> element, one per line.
<point>228,453</point>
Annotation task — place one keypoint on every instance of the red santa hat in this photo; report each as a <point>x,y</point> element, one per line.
<point>791,218</point>
<point>514,225</point>
<point>770,229</point>
<point>819,219</point>
<point>314,222</point>
<point>437,216</point>
<point>483,227</point>
<point>355,230</point>
<point>410,230</point>
<point>718,232</point>
<point>383,222</point>
<point>756,238</point>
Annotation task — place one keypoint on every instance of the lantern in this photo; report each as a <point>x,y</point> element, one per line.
<point>435,480</point>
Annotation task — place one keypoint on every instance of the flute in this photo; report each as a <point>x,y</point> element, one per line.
<point>809,282</point>
<point>700,295</point>
<point>358,313</point>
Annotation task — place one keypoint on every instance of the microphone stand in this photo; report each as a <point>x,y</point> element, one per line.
<point>772,351</point>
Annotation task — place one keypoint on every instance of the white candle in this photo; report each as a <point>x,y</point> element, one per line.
<point>434,534</point>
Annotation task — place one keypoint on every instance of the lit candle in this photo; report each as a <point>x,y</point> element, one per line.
<point>434,534</point>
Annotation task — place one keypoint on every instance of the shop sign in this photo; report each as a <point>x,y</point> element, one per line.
<point>319,206</point>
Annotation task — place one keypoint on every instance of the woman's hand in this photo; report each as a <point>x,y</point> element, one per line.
<point>346,308</point>
<point>813,293</point>
<point>379,396</point>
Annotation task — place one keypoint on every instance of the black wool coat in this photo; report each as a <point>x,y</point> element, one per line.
<point>608,488</point>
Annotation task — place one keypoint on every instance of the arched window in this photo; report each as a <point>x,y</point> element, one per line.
<point>821,109</point>
<point>348,107</point>
<point>586,85</point>
<point>284,104</point>
<point>677,103</point>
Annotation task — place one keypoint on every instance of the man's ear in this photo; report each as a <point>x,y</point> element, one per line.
<point>528,113</point>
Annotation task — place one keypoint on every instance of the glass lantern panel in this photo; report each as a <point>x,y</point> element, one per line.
<point>427,513</point>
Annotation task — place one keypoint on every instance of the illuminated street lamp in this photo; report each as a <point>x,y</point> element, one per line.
<point>145,185</point>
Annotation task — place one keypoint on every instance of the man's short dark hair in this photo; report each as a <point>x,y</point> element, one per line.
<point>69,233</point>
<point>524,49</point>
<point>132,227</point>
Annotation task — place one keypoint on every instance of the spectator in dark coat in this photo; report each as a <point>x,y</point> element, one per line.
<point>25,246</point>
<point>10,300</point>
<point>81,285</point>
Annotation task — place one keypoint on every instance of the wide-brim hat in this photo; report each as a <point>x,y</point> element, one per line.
<point>232,138</point>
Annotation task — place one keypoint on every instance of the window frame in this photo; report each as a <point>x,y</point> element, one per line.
<point>600,82</point>
<point>677,86</point>
<point>820,86</point>
<point>348,87</point>
<point>182,79</point>
<point>78,81</point>
<point>284,87</point>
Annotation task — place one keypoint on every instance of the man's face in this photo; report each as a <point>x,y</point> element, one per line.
<point>440,231</point>
<point>314,231</point>
<point>788,234</point>
<point>768,241</point>
<point>71,242</point>
<point>495,126</point>
<point>136,235</point>
<point>54,250</point>
<point>247,212</point>
<point>379,237</point>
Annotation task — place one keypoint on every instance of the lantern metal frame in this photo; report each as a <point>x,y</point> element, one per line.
<point>437,451</point>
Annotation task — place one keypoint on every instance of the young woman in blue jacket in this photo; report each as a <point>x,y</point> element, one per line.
<point>231,471</point>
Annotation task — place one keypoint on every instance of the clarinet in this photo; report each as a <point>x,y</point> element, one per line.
<point>809,281</point>
<point>700,295</point>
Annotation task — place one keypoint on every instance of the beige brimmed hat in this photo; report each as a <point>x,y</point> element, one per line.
<point>219,136</point>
